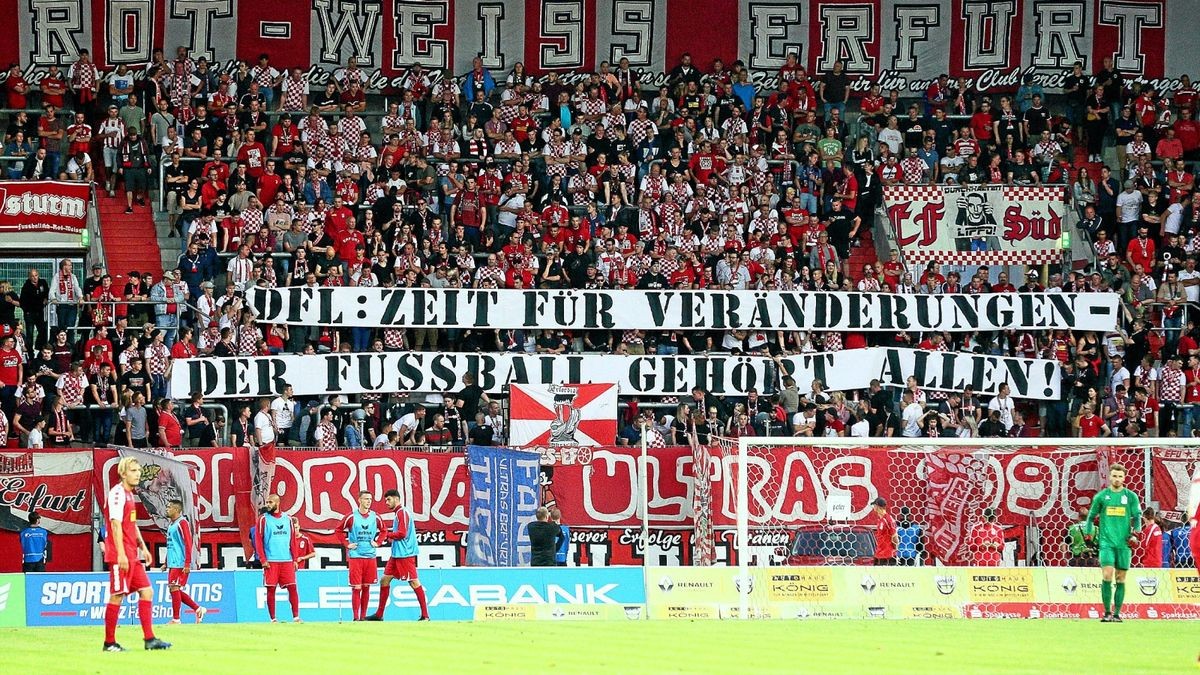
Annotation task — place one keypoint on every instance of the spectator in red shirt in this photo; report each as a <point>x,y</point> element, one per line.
<point>170,433</point>
<point>987,541</point>
<point>12,373</point>
<point>1090,424</point>
<point>886,538</point>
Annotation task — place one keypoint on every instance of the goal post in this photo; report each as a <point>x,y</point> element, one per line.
<point>794,501</point>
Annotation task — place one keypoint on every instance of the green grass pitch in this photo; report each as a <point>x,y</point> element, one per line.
<point>725,647</point>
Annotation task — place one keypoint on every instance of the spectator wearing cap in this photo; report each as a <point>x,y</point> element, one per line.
<point>886,537</point>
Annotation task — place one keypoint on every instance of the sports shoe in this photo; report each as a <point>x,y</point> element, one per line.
<point>112,647</point>
<point>1116,618</point>
<point>424,618</point>
<point>373,617</point>
<point>297,620</point>
<point>155,643</point>
<point>129,209</point>
<point>174,622</point>
<point>1106,619</point>
<point>200,612</point>
<point>274,620</point>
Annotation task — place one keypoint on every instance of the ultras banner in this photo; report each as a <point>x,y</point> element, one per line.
<point>679,310</point>
<point>505,496</point>
<point>977,224</point>
<point>317,374</point>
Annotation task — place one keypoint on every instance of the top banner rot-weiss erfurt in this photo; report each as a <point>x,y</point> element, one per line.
<point>43,206</point>
<point>897,44</point>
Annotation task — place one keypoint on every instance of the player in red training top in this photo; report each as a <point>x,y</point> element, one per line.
<point>886,537</point>
<point>987,541</point>
<point>304,546</point>
<point>127,555</point>
<point>1150,546</point>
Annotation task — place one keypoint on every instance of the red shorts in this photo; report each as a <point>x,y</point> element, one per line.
<point>363,571</point>
<point>404,569</point>
<point>280,574</point>
<point>177,576</point>
<point>133,580</point>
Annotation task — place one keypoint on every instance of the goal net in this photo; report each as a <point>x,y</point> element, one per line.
<point>1009,503</point>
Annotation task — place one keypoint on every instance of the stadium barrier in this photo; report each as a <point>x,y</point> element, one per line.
<point>633,593</point>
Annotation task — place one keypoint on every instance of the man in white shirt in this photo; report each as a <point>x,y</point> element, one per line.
<point>264,424</point>
<point>911,415</point>
<point>1129,214</point>
<point>408,425</point>
<point>283,411</point>
<point>1189,278</point>
<point>1120,374</point>
<point>1003,403</point>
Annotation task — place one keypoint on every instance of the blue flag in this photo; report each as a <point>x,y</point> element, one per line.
<point>505,489</point>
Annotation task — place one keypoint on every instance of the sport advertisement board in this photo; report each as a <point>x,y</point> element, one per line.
<point>12,600</point>
<point>78,599</point>
<point>458,594</point>
<point>907,592</point>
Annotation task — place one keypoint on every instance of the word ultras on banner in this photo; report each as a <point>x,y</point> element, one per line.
<point>680,310</point>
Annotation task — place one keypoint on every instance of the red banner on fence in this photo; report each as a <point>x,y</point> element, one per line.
<point>43,206</point>
<point>1036,493</point>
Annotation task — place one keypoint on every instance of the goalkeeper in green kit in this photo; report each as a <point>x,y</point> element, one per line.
<point>1120,521</point>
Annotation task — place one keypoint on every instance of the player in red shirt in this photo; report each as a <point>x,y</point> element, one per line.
<point>403,563</point>
<point>360,534</point>
<point>987,541</point>
<point>126,555</point>
<point>886,538</point>
<point>179,562</point>
<point>304,546</point>
<point>275,545</point>
<point>1150,544</point>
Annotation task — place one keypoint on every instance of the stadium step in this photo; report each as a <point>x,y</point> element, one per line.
<point>130,242</point>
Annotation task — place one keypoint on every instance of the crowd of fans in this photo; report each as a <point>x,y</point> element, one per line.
<point>509,181</point>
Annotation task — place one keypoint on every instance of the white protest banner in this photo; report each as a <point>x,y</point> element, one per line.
<point>321,374</point>
<point>977,224</point>
<point>679,310</point>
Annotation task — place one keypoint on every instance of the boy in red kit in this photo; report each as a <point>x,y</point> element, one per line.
<point>126,555</point>
<point>886,538</point>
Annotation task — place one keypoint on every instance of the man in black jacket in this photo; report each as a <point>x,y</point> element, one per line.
<point>544,539</point>
<point>35,294</point>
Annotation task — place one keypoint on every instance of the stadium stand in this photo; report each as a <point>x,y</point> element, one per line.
<point>498,179</point>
